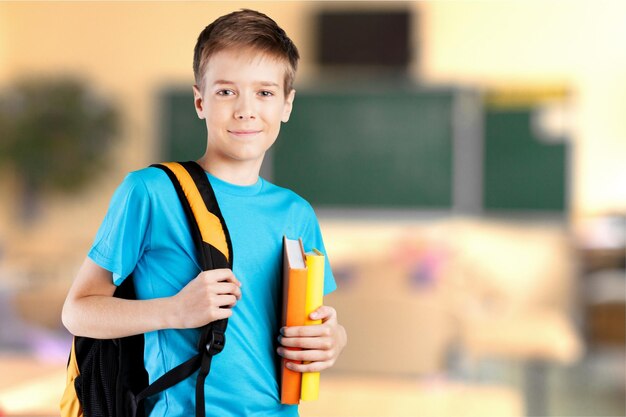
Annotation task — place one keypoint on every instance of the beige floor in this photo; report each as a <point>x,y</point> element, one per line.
<point>352,396</point>
<point>29,387</point>
<point>32,388</point>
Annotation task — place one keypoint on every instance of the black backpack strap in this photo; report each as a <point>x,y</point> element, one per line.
<point>171,378</point>
<point>214,249</point>
<point>213,336</point>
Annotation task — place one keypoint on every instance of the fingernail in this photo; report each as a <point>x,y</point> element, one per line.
<point>282,331</point>
<point>314,316</point>
<point>279,351</point>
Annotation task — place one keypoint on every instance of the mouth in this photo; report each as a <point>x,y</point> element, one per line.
<point>244,133</point>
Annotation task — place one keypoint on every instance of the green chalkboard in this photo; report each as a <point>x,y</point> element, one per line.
<point>520,171</point>
<point>392,148</point>
<point>183,134</point>
<point>368,149</point>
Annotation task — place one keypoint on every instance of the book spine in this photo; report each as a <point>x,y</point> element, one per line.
<point>314,300</point>
<point>294,290</point>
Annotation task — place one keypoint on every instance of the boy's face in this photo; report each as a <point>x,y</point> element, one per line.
<point>243,103</point>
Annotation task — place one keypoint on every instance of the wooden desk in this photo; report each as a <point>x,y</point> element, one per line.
<point>537,338</point>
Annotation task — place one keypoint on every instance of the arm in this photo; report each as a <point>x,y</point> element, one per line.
<point>321,344</point>
<point>91,310</point>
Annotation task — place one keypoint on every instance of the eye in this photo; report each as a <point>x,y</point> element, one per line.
<point>225,92</point>
<point>266,93</point>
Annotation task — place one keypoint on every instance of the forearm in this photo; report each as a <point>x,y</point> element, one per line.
<point>107,317</point>
<point>91,310</point>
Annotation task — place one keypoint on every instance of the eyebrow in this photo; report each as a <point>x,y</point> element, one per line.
<point>269,84</point>
<point>263,83</point>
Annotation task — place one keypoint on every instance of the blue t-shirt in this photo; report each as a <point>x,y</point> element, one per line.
<point>145,233</point>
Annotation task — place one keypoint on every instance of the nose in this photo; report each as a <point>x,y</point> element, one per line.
<point>244,109</point>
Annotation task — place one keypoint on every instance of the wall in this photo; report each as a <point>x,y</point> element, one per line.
<point>129,51</point>
<point>570,43</point>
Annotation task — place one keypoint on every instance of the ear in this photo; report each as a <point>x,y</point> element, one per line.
<point>288,106</point>
<point>198,101</point>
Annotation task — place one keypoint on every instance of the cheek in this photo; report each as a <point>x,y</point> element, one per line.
<point>277,115</point>
<point>217,115</point>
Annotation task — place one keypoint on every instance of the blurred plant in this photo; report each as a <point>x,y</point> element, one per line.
<point>54,134</point>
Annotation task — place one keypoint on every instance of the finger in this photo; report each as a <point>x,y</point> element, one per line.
<point>221,275</point>
<point>230,277</point>
<point>304,355</point>
<point>324,313</point>
<point>309,367</point>
<point>227,288</point>
<point>319,343</point>
<point>225,301</point>
<point>315,330</point>
<point>221,313</point>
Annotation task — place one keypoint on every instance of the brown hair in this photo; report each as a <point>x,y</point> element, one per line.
<point>245,29</point>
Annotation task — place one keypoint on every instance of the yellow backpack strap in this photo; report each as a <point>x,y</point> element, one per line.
<point>70,404</point>
<point>193,186</point>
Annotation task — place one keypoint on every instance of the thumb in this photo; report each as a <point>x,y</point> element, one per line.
<point>323,313</point>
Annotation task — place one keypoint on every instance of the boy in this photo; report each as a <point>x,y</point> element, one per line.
<point>244,65</point>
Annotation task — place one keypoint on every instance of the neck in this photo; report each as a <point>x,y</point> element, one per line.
<point>238,173</point>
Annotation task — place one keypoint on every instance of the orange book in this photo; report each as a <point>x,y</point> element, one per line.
<point>294,314</point>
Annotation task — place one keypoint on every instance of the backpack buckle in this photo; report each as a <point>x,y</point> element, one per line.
<point>216,343</point>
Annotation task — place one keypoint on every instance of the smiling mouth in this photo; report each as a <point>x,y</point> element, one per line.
<point>244,133</point>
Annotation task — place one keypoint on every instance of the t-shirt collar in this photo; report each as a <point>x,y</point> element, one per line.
<point>234,189</point>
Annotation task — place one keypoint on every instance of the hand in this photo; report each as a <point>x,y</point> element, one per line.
<point>208,297</point>
<point>321,344</point>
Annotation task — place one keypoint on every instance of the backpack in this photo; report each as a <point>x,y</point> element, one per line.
<point>106,377</point>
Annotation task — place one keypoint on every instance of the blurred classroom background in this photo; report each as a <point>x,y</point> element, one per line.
<point>467,161</point>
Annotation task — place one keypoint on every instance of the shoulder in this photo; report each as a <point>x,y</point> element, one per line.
<point>296,212</point>
<point>146,176</point>
<point>149,180</point>
<point>143,187</point>
<point>290,197</point>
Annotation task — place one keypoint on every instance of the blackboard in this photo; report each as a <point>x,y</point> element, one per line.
<point>183,135</point>
<point>389,149</point>
<point>368,149</point>
<point>521,172</point>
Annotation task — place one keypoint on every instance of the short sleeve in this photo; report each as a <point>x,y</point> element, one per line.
<point>123,235</point>
<point>312,239</point>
